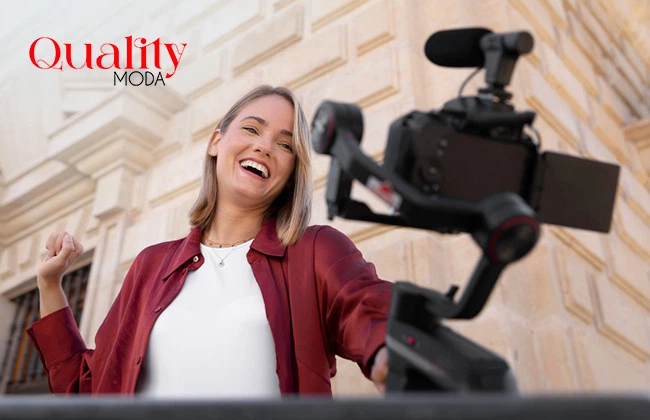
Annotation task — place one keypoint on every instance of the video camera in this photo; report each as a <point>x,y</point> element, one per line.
<point>469,167</point>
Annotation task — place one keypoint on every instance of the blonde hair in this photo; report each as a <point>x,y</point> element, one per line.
<point>292,208</point>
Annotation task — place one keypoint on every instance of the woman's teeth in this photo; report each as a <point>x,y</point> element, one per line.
<point>261,169</point>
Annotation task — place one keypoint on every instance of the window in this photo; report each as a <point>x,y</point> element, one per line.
<point>21,371</point>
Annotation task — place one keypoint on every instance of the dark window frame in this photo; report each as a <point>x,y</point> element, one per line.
<point>21,371</point>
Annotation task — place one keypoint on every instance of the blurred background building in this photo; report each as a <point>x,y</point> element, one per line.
<point>119,166</point>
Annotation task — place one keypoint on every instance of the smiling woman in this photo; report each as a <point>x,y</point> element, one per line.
<point>252,303</point>
<point>258,131</point>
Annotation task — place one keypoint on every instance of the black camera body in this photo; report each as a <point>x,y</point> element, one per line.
<point>429,151</point>
<point>439,159</point>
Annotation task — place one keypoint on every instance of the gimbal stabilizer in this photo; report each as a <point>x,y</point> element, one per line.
<point>431,179</point>
<point>503,225</point>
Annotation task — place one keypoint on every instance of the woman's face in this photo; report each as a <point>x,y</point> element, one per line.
<point>255,156</point>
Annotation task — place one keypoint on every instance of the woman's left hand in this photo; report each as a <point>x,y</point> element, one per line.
<point>379,371</point>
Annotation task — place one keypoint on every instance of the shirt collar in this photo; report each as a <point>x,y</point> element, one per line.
<point>188,248</point>
<point>266,242</point>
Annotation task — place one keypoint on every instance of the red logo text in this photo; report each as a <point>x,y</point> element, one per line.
<point>108,55</point>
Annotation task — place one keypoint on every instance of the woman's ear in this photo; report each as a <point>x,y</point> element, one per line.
<point>214,142</point>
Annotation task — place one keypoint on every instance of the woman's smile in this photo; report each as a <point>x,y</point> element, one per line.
<point>256,168</point>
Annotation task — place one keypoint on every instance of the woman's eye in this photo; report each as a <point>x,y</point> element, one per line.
<point>251,130</point>
<point>286,146</point>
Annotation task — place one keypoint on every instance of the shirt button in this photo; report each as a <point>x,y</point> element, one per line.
<point>158,309</point>
<point>138,360</point>
<point>196,258</point>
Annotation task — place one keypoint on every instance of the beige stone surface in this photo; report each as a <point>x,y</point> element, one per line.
<point>575,276</point>
<point>549,104</point>
<point>569,87</point>
<point>199,75</point>
<point>625,89</point>
<point>538,16</point>
<point>635,60</point>
<point>577,62</point>
<point>609,132</point>
<point>621,319</point>
<point>634,230</point>
<point>375,26</point>
<point>555,360</point>
<point>119,167</point>
<point>603,366</point>
<point>229,19</point>
<point>636,196</point>
<point>113,193</point>
<point>324,12</point>
<point>629,270</point>
<point>602,36</point>
<point>326,51</point>
<point>558,12</point>
<point>628,70</point>
<point>589,245</point>
<point>206,110</point>
<point>612,103</point>
<point>268,39</point>
<point>588,43</point>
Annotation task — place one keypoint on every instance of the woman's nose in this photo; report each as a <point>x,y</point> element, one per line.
<point>263,146</point>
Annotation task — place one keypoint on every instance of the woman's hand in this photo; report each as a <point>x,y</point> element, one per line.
<point>62,250</point>
<point>379,371</point>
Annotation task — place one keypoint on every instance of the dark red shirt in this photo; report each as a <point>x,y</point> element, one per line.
<point>321,297</point>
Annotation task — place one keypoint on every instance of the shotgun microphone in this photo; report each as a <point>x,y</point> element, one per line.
<point>456,47</point>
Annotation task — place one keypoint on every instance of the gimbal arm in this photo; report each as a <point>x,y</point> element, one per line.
<point>413,208</point>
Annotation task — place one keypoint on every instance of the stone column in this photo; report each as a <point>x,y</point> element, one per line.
<point>113,144</point>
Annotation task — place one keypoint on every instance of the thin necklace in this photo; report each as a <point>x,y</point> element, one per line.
<point>221,262</point>
<point>218,245</point>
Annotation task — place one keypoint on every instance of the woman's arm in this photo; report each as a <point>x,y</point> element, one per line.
<point>355,301</point>
<point>71,366</point>
<point>62,251</point>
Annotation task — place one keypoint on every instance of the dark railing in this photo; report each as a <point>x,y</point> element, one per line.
<point>429,406</point>
<point>21,371</point>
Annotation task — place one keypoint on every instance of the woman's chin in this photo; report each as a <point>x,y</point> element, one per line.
<point>249,198</point>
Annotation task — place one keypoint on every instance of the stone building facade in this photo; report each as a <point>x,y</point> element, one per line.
<point>119,166</point>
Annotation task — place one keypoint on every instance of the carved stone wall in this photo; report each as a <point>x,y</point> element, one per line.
<point>120,167</point>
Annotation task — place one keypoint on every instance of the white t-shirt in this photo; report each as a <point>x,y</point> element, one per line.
<point>214,340</point>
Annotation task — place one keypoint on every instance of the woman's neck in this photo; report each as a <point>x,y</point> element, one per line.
<point>230,226</point>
